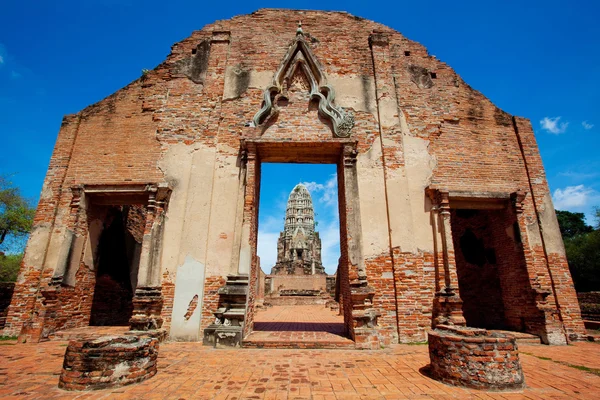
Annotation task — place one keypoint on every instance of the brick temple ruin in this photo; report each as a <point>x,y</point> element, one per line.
<point>298,274</point>
<point>148,213</point>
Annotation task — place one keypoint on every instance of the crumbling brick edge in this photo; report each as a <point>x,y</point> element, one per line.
<point>108,362</point>
<point>474,358</point>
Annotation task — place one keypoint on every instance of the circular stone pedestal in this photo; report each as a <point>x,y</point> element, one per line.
<point>474,358</point>
<point>108,361</point>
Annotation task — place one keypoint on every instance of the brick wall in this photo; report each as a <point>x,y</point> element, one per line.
<point>205,94</point>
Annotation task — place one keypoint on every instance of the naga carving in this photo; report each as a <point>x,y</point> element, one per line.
<point>301,56</point>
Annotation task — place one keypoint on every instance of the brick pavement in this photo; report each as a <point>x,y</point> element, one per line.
<point>298,326</point>
<point>192,371</point>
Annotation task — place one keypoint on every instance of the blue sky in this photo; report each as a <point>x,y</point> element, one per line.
<point>536,59</point>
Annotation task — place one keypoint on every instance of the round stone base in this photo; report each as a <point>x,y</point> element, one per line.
<point>108,361</point>
<point>475,358</point>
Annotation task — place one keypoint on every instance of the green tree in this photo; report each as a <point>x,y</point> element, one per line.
<point>583,254</point>
<point>572,224</point>
<point>582,245</point>
<point>16,212</point>
<point>9,267</point>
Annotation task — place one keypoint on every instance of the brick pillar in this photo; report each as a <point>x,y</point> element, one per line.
<point>447,305</point>
<point>364,328</point>
<point>66,268</point>
<point>248,262</point>
<point>544,238</point>
<point>148,299</point>
<point>68,264</point>
<point>239,214</point>
<point>353,225</point>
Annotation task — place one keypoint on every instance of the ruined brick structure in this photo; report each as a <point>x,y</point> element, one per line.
<point>299,270</point>
<point>439,190</point>
<point>299,245</point>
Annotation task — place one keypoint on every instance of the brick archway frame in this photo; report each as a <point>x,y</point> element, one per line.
<point>356,296</point>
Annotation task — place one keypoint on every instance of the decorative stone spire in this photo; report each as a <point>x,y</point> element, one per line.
<point>300,56</point>
<point>299,246</point>
<point>299,212</point>
<point>299,31</point>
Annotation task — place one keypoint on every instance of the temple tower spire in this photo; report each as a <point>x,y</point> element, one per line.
<point>299,245</point>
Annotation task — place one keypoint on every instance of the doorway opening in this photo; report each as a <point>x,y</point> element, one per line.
<point>492,272</point>
<point>120,230</point>
<point>298,255</point>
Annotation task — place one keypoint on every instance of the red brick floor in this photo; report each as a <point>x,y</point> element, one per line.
<point>300,326</point>
<point>192,371</point>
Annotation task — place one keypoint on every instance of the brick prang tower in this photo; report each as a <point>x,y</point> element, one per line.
<point>299,245</point>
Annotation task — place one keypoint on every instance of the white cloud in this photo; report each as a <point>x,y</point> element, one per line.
<point>553,125</point>
<point>328,190</point>
<point>574,198</point>
<point>330,246</point>
<point>1,60</point>
<point>578,176</point>
<point>267,249</point>
<point>587,126</point>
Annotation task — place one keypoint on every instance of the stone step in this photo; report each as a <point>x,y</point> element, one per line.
<point>535,340</point>
<point>293,300</point>
<point>298,344</point>
<point>522,337</point>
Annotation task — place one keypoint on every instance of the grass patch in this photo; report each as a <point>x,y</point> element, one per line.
<point>583,368</point>
<point>6,338</point>
<point>417,343</point>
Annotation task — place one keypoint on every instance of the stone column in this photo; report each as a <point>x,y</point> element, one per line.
<point>148,300</point>
<point>67,264</point>
<point>249,212</point>
<point>247,258</point>
<point>447,306</point>
<point>353,224</point>
<point>364,316</point>
<point>239,213</point>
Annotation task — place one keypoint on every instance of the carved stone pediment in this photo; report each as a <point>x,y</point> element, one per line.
<point>300,57</point>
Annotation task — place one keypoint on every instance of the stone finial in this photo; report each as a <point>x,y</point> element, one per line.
<point>299,31</point>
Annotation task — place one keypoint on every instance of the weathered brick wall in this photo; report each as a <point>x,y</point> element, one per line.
<point>211,299</point>
<point>520,309</point>
<point>168,293</point>
<point>415,288</point>
<point>182,123</point>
